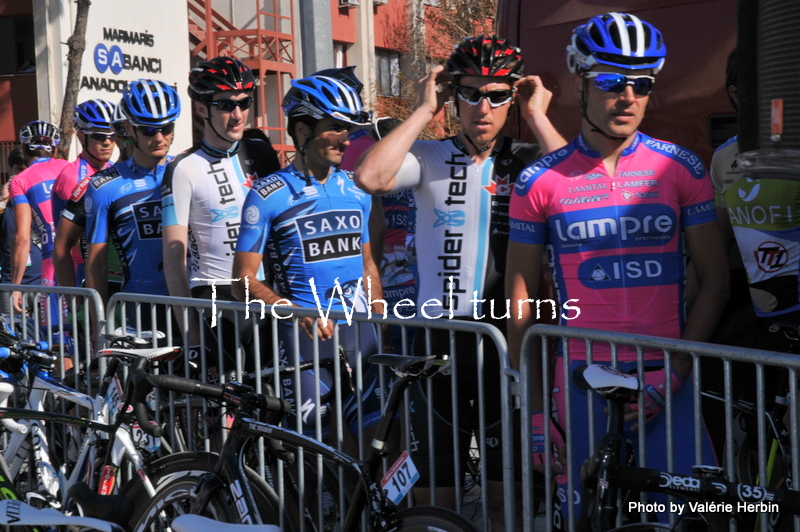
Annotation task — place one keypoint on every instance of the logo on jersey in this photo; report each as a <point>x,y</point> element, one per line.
<point>148,219</point>
<point>771,257</point>
<point>269,185</point>
<point>612,227</point>
<point>79,190</point>
<point>450,219</point>
<point>751,195</point>
<point>500,186</point>
<point>251,214</point>
<point>105,178</point>
<point>87,204</point>
<point>124,189</point>
<point>587,188</point>
<point>628,271</point>
<point>224,214</point>
<point>330,235</point>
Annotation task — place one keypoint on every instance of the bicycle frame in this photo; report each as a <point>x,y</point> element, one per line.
<point>29,432</point>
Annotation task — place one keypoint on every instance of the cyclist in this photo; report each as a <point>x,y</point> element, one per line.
<point>312,220</point>
<point>92,122</point>
<point>124,201</point>
<point>30,193</point>
<point>72,224</point>
<point>205,187</point>
<point>610,207</point>
<point>462,187</point>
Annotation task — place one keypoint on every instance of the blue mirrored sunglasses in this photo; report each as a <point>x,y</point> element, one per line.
<point>614,82</point>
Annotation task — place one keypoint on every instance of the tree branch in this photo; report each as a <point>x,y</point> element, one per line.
<point>76,44</point>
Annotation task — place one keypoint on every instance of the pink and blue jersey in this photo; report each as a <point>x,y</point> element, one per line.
<point>67,180</point>
<point>614,243</point>
<point>34,186</point>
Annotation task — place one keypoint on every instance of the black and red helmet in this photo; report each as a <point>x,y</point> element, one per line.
<point>486,56</point>
<point>219,75</point>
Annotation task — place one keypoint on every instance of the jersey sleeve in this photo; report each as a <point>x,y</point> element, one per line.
<point>62,190</point>
<point>410,173</point>
<point>527,210</point>
<point>256,223</point>
<point>17,189</point>
<point>697,197</point>
<point>176,196</point>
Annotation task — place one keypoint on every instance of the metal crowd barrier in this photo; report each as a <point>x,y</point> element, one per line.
<point>140,310</point>
<point>66,331</point>
<point>546,334</point>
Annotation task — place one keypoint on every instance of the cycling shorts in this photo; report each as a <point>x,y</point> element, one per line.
<point>371,390</point>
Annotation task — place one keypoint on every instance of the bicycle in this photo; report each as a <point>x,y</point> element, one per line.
<point>107,449</point>
<point>609,477</point>
<point>231,489</point>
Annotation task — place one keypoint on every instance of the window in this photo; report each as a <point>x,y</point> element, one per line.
<point>339,55</point>
<point>387,72</point>
<point>17,53</point>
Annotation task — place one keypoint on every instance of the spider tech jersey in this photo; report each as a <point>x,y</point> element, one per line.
<point>34,186</point>
<point>462,221</point>
<point>204,189</point>
<point>615,243</point>
<point>125,202</point>
<point>315,232</point>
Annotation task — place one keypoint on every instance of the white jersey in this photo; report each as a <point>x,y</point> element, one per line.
<point>204,189</point>
<point>462,222</point>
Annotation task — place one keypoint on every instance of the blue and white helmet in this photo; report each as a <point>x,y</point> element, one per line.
<point>149,102</point>
<point>93,114</point>
<point>616,39</point>
<point>40,134</point>
<point>321,96</point>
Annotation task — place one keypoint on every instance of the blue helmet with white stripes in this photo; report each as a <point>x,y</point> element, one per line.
<point>321,96</point>
<point>149,102</point>
<point>616,39</point>
<point>93,114</point>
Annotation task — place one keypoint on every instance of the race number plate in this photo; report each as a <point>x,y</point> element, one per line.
<point>400,478</point>
<point>143,440</point>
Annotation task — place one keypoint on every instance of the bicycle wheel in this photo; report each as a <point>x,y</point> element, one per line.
<point>176,499</point>
<point>428,518</point>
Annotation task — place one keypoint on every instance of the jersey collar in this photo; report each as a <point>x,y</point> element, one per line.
<point>580,143</point>
<point>498,146</point>
<point>219,154</point>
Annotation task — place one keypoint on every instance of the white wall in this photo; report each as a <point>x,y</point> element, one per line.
<point>164,48</point>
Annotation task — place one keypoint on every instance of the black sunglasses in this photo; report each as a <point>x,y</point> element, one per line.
<point>473,96</point>
<point>152,131</point>
<point>102,137</point>
<point>227,106</point>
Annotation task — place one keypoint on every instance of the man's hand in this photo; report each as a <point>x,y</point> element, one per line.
<point>16,300</point>
<point>429,97</point>
<point>323,332</point>
<point>533,97</point>
<point>655,393</point>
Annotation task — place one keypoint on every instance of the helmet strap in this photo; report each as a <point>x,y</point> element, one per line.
<point>217,133</point>
<point>595,128</point>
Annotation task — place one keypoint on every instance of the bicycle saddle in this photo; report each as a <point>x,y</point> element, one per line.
<point>603,379</point>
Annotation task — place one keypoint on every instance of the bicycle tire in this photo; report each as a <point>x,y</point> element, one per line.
<point>431,518</point>
<point>176,497</point>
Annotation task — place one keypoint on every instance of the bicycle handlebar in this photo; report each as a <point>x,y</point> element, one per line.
<point>144,382</point>
<point>701,489</point>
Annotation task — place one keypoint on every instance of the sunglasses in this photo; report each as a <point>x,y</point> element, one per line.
<point>152,131</point>
<point>102,137</point>
<point>227,106</point>
<point>613,82</point>
<point>473,96</point>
